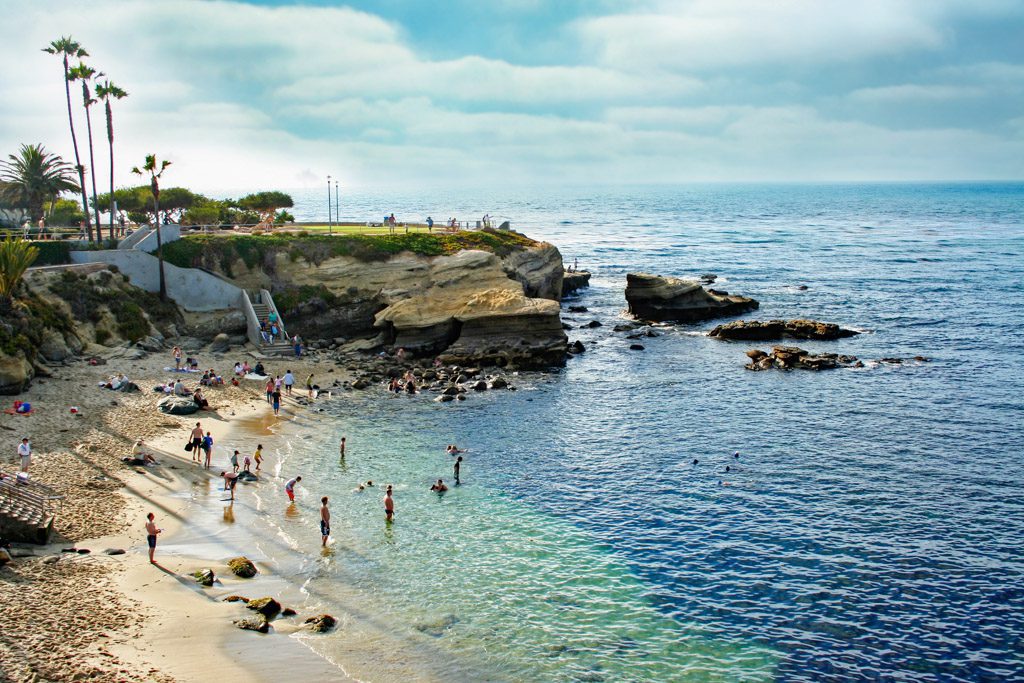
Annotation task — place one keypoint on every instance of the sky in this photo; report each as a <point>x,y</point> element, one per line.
<point>492,93</point>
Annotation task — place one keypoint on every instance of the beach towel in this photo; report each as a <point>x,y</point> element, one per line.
<point>20,408</point>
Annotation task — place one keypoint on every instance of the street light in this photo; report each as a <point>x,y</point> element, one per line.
<point>337,204</point>
<point>329,204</point>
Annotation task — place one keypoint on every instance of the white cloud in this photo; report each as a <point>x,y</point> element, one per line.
<point>912,92</point>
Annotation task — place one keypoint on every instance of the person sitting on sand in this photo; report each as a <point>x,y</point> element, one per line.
<point>205,379</point>
<point>246,369</point>
<point>439,486</point>
<point>215,379</point>
<point>258,370</point>
<point>200,400</point>
<point>230,481</point>
<point>238,368</point>
<point>179,388</point>
<point>140,455</point>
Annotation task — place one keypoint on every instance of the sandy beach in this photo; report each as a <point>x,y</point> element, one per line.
<point>114,616</point>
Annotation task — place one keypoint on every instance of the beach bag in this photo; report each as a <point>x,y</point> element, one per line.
<point>24,408</point>
<point>188,447</point>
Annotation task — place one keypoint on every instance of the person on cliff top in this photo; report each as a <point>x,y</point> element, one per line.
<point>289,380</point>
<point>430,224</point>
<point>389,505</point>
<point>151,532</point>
<point>325,522</point>
<point>289,488</point>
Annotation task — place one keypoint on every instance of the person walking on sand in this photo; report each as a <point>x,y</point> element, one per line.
<point>289,488</point>
<point>270,389</point>
<point>389,505</point>
<point>289,380</point>
<point>197,443</point>
<point>151,532</point>
<point>309,385</point>
<point>458,469</point>
<point>325,521</point>
<point>276,400</point>
<point>208,448</point>
<point>25,453</point>
<point>177,357</point>
<point>234,462</point>
<point>258,457</point>
<point>230,481</point>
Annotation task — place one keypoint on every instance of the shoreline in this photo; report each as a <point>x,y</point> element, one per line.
<point>128,614</point>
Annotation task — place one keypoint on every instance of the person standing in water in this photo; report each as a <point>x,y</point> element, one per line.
<point>230,481</point>
<point>234,462</point>
<point>325,521</point>
<point>258,457</point>
<point>309,385</point>
<point>197,443</point>
<point>458,468</point>
<point>208,448</point>
<point>389,505</point>
<point>151,532</point>
<point>289,488</point>
<point>276,396</point>
<point>341,448</point>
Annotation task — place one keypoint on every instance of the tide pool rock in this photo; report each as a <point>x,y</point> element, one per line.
<point>659,298</point>
<point>771,330</point>
<point>254,624</point>
<point>204,577</point>
<point>321,623</point>
<point>794,358</point>
<point>243,567</point>
<point>268,607</point>
<point>177,405</point>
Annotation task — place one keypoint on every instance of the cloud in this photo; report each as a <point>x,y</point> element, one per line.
<point>916,93</point>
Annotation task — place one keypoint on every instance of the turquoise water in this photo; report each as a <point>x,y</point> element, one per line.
<point>870,530</point>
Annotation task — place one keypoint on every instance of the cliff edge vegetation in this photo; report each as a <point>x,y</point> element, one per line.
<point>222,252</point>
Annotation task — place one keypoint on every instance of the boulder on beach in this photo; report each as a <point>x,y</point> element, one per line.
<point>771,330</point>
<point>253,624</point>
<point>222,342</point>
<point>659,298</point>
<point>177,405</point>
<point>268,607</point>
<point>321,623</point>
<point>243,567</point>
<point>204,577</point>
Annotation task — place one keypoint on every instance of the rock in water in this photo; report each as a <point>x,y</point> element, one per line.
<point>658,298</point>
<point>177,405</point>
<point>268,607</point>
<point>243,567</point>
<point>204,577</point>
<point>573,281</point>
<point>770,330</point>
<point>321,623</point>
<point>793,358</point>
<point>256,624</point>
<point>236,598</point>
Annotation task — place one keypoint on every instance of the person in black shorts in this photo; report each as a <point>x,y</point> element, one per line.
<point>151,532</point>
<point>325,521</point>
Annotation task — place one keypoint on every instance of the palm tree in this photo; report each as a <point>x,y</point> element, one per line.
<point>105,91</point>
<point>16,256</point>
<point>67,47</point>
<point>150,167</point>
<point>34,176</point>
<point>85,73</point>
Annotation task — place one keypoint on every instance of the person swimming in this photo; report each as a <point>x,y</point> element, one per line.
<point>440,486</point>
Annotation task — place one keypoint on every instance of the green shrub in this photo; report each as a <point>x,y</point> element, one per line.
<point>102,335</point>
<point>53,253</point>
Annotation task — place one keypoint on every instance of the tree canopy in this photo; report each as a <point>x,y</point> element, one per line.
<point>33,177</point>
<point>266,204</point>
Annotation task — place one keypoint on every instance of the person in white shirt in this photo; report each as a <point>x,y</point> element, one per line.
<point>25,451</point>
<point>289,380</point>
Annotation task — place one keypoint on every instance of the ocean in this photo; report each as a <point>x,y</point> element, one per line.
<point>870,530</point>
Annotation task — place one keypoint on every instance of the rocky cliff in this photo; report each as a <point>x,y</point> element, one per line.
<point>495,306</point>
<point>659,298</point>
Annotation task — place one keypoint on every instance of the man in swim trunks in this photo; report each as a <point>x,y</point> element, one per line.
<point>440,486</point>
<point>389,505</point>
<point>230,481</point>
<point>325,521</point>
<point>290,488</point>
<point>197,443</point>
<point>151,532</point>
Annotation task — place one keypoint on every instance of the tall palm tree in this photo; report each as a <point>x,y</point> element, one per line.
<point>34,176</point>
<point>85,74</point>
<point>107,91</point>
<point>67,47</point>
<point>151,168</point>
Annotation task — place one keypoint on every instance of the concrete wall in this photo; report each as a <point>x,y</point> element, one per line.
<point>168,233</point>
<point>192,289</point>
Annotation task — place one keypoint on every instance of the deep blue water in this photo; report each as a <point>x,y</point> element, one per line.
<point>872,527</point>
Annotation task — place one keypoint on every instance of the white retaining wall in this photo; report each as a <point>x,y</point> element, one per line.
<point>192,289</point>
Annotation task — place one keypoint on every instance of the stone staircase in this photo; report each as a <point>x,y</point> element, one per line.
<point>261,304</point>
<point>26,511</point>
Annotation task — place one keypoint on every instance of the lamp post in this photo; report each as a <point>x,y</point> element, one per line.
<point>329,204</point>
<point>337,204</point>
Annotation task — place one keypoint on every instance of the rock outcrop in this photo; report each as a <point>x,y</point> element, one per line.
<point>793,358</point>
<point>661,299</point>
<point>771,330</point>
<point>575,280</point>
<point>15,373</point>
